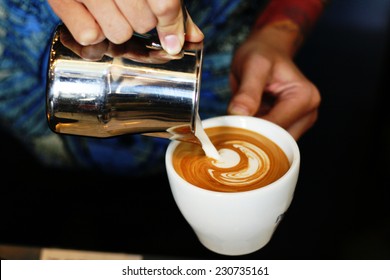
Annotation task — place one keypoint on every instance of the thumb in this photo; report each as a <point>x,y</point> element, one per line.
<point>247,90</point>
<point>170,24</point>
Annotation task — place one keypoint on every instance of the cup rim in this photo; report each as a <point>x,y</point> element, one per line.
<point>294,164</point>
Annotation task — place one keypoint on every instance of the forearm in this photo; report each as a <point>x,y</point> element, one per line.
<point>285,23</point>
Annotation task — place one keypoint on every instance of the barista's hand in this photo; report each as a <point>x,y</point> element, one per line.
<point>133,49</point>
<point>91,21</point>
<point>266,83</point>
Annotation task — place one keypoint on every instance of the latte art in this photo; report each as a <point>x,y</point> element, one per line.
<point>246,161</point>
<point>255,167</point>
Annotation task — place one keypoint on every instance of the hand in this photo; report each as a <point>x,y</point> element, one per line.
<point>91,21</point>
<point>266,83</point>
<point>133,49</point>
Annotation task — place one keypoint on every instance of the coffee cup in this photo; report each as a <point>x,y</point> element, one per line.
<point>238,217</point>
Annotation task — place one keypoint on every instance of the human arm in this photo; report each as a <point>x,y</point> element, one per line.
<point>264,78</point>
<point>91,21</point>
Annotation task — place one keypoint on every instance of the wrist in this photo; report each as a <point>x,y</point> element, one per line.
<point>290,19</point>
<point>283,35</point>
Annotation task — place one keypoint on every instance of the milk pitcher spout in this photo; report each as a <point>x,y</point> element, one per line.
<point>107,90</point>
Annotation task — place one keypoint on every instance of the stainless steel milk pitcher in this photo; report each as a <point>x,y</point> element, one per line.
<point>109,90</point>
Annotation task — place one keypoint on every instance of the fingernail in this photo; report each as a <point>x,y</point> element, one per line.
<point>89,37</point>
<point>238,110</point>
<point>172,44</point>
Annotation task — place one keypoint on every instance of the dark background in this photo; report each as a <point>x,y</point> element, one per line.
<point>341,208</point>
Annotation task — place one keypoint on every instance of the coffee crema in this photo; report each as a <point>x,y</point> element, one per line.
<point>248,160</point>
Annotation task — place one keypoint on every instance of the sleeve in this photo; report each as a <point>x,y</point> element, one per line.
<point>304,13</point>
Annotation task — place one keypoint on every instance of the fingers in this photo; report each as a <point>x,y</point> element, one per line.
<point>138,14</point>
<point>80,22</point>
<point>170,25</point>
<point>296,106</point>
<point>302,125</point>
<point>266,83</point>
<point>91,21</point>
<point>248,86</point>
<point>111,20</point>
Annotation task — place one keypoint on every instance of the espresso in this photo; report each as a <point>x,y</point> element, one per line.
<point>247,160</point>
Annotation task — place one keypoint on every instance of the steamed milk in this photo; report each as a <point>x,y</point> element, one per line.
<point>208,147</point>
<point>230,159</point>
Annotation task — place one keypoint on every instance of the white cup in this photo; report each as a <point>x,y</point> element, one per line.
<point>241,222</point>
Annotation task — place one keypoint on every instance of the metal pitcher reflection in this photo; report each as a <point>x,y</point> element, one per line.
<point>107,90</point>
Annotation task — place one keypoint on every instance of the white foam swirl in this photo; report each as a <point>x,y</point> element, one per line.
<point>227,158</point>
<point>257,167</point>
